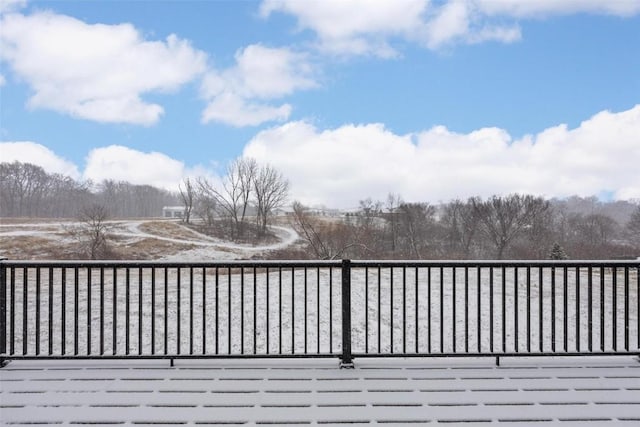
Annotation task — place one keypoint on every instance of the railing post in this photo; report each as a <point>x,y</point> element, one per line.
<point>3,312</point>
<point>346,359</point>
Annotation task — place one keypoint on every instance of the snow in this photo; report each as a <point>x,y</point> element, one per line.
<point>547,391</point>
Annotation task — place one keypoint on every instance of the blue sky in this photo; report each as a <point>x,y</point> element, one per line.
<point>350,99</point>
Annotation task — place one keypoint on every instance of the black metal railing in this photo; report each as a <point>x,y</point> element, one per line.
<point>345,309</point>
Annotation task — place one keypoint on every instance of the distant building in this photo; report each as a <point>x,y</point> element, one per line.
<point>173,211</point>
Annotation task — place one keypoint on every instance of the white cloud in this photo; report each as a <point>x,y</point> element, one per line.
<point>359,27</point>
<point>125,164</point>
<point>95,72</point>
<point>3,81</point>
<point>340,166</point>
<point>37,154</point>
<point>233,110</point>
<point>524,8</point>
<point>11,5</point>
<point>235,96</point>
<point>363,27</point>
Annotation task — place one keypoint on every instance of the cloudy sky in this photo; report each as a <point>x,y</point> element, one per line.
<point>429,99</point>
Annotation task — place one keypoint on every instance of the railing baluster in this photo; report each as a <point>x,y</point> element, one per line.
<point>242,310</point>
<point>166,306</point>
<point>453,310</point>
<point>404,309</point>
<point>553,309</point>
<point>153,311</point>
<point>417,318</point>
<point>3,311</point>
<point>345,285</point>
<point>379,312</point>
<point>540,307</point>
<point>191,310</point>
<point>565,304</point>
<point>50,312</point>
<point>391,306</point>
<point>330,310</point>
<point>578,308</point>
<point>267,314</point>
<point>38,311</point>
<point>217,319</point>
<point>12,326</point>
<point>479,306</point>
<point>101,310</point>
<point>114,336</point>
<point>279,310</point>
<point>516,312</point>
<point>590,303</point>
<point>614,311</point>
<point>63,319</point>
<point>504,310</point>
<point>306,303</point>
<point>127,303</point>
<point>76,311</point>
<point>204,311</point>
<point>318,308</point>
<point>491,309</point>
<point>466,309</point>
<point>626,308</point>
<point>428,309</point>
<point>529,309</point>
<point>25,310</point>
<point>602,316</point>
<point>255,311</point>
<point>293,312</point>
<point>441,310</point>
<point>140,316</point>
<point>89,271</point>
<point>229,315</point>
<point>178,307</point>
<point>366,309</point>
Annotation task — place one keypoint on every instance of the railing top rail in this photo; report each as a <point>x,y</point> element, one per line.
<point>171,264</point>
<point>233,264</point>
<point>494,263</point>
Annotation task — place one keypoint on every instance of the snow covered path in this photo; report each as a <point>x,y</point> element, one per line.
<point>548,392</point>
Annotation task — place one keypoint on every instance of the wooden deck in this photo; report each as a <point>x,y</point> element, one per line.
<point>561,391</point>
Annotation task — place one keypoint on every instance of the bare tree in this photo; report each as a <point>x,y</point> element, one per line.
<point>633,227</point>
<point>270,190</point>
<point>233,195</point>
<point>206,204</point>
<point>325,239</point>
<point>188,196</point>
<point>415,223</point>
<point>504,218</point>
<point>247,169</point>
<point>393,201</point>
<point>94,230</point>
<point>461,224</point>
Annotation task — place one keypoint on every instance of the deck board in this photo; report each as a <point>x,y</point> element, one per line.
<point>559,392</point>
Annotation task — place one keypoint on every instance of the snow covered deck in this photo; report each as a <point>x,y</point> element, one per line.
<point>544,391</point>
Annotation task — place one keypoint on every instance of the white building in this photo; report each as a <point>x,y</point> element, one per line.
<point>173,211</point>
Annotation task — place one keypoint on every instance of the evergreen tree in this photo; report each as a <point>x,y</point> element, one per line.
<point>557,253</point>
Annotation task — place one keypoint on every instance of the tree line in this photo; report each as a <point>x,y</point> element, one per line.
<point>27,190</point>
<point>499,227</point>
